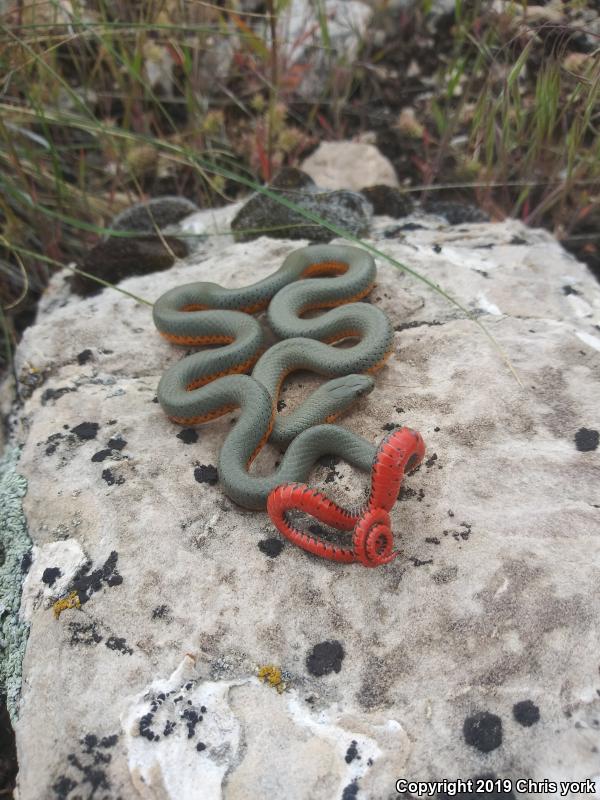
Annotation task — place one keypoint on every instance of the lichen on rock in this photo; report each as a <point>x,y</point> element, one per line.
<point>14,547</point>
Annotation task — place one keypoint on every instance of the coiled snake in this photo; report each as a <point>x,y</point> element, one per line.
<point>206,385</point>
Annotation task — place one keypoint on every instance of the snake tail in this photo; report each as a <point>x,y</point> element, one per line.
<point>399,453</point>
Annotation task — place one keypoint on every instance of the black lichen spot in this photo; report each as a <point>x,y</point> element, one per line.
<point>418,563</point>
<point>117,442</point>
<point>188,436</point>
<point>403,326</point>
<point>483,731</point>
<point>84,356</point>
<point>86,584</point>
<point>446,575</point>
<point>351,753</point>
<point>146,729</point>
<point>119,644</point>
<point>281,404</point>
<point>63,787</point>
<point>89,767</point>
<point>271,547</point>
<point>517,240</point>
<point>111,479</point>
<point>330,463</point>
<point>437,248</point>
<point>101,455</point>
<point>54,394</point>
<point>436,429</point>
<point>206,473</point>
<point>462,535</point>
<point>390,426</point>
<point>155,399</point>
<point>50,575</point>
<point>324,658</point>
<point>431,460</point>
<point>52,442</point>
<point>351,791</point>
<point>526,713</point>
<point>86,430</point>
<point>160,612</point>
<point>169,728</point>
<point>411,226</point>
<point>26,562</point>
<point>84,634</point>
<point>192,719</point>
<point>432,540</point>
<point>200,747</point>
<point>569,290</point>
<point>586,439</point>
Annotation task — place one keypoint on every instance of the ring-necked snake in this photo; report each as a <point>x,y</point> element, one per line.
<point>206,385</point>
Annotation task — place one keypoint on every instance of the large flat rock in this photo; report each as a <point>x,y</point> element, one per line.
<point>475,652</point>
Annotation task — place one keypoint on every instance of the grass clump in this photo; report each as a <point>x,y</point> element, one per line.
<point>106,102</point>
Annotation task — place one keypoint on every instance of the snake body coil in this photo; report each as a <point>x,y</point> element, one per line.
<point>205,385</point>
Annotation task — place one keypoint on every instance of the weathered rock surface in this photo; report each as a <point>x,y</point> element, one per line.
<point>475,652</point>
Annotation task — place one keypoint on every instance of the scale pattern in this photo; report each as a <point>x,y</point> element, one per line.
<point>207,384</point>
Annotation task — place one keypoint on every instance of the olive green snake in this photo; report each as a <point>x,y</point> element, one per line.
<point>207,384</point>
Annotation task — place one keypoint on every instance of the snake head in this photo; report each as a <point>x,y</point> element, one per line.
<point>346,390</point>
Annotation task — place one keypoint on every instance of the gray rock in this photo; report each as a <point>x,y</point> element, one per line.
<point>158,212</point>
<point>389,200</point>
<point>115,259</point>
<point>473,653</point>
<point>454,212</point>
<point>261,215</point>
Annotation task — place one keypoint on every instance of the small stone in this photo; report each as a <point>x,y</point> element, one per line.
<point>159,212</point>
<point>456,213</point>
<point>389,201</point>
<point>408,124</point>
<point>114,259</point>
<point>349,165</point>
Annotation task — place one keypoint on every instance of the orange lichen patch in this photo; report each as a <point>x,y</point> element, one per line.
<point>236,369</point>
<point>331,417</point>
<point>271,674</point>
<point>325,268</point>
<point>219,412</point>
<point>70,601</point>
<point>339,302</point>
<point>197,340</point>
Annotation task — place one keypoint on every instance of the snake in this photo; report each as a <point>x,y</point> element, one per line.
<point>207,384</point>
